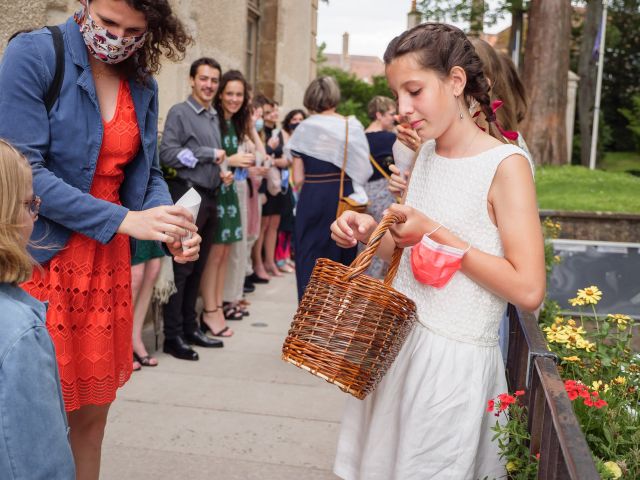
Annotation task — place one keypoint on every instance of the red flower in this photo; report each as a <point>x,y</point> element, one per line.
<point>506,398</point>
<point>600,403</point>
<point>519,393</point>
<point>490,405</point>
<point>538,456</point>
<point>588,402</point>
<point>573,394</point>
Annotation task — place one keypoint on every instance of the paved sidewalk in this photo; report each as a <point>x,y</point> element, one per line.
<point>240,413</point>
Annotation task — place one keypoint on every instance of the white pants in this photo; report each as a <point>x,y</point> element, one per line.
<point>237,261</point>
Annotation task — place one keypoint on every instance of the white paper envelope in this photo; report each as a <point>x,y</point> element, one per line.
<point>191,201</point>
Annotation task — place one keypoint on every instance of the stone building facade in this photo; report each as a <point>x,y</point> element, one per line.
<point>273,42</point>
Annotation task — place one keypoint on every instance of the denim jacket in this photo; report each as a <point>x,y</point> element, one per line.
<point>33,425</point>
<point>63,146</point>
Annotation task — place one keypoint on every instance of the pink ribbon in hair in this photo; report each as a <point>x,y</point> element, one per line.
<point>508,134</point>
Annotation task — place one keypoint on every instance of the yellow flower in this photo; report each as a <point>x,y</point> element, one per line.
<point>613,469</point>
<point>591,295</point>
<point>572,358</point>
<point>581,343</point>
<point>576,302</point>
<point>620,319</point>
<point>571,322</point>
<point>620,380</point>
<point>558,320</point>
<point>512,466</point>
<point>599,385</point>
<point>556,258</point>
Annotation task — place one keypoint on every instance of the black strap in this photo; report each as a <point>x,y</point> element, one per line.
<point>54,89</point>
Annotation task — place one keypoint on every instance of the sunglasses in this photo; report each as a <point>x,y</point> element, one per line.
<point>33,205</point>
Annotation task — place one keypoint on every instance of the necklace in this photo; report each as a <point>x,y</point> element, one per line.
<point>470,143</point>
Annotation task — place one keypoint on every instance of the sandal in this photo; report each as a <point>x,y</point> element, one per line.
<point>231,312</point>
<point>144,361</point>
<point>220,333</point>
<point>206,329</point>
<point>134,368</point>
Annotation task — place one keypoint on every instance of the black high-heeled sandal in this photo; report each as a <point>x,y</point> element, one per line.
<point>206,329</point>
<point>231,312</point>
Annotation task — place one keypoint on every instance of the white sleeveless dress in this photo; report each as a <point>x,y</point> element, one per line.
<point>427,418</point>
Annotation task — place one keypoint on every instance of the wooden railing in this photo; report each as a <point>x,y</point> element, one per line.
<point>555,432</point>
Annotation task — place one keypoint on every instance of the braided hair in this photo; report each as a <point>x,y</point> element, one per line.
<point>440,47</point>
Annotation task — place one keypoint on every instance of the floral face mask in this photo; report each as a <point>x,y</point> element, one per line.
<point>102,44</point>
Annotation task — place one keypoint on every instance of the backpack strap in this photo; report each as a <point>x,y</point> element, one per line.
<point>56,85</point>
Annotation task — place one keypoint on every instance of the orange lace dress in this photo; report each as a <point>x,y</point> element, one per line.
<point>88,285</point>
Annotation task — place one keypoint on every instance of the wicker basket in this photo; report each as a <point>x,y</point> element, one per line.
<point>349,327</point>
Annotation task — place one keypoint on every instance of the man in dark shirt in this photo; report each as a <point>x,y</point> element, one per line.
<point>191,152</point>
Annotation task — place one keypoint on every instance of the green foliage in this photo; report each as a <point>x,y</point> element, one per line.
<point>633,117</point>
<point>321,58</point>
<point>356,93</point>
<point>575,188</point>
<point>513,437</point>
<point>602,379</point>
<point>464,11</point>
<point>628,162</point>
<point>621,70</point>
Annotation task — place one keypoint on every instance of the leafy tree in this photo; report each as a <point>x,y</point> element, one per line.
<point>621,70</point>
<point>356,93</point>
<point>633,117</point>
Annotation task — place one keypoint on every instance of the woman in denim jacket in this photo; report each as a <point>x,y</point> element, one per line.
<point>33,424</point>
<point>94,162</point>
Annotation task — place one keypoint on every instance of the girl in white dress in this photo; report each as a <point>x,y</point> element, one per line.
<point>471,192</point>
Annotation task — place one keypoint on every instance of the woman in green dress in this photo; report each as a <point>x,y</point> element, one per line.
<point>232,105</point>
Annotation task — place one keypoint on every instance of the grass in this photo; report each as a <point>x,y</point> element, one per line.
<point>575,188</point>
<point>621,162</point>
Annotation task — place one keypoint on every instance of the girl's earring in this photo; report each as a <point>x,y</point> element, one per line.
<point>459,109</point>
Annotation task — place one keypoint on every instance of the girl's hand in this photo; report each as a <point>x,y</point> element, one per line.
<point>281,162</point>
<point>162,224</point>
<point>258,173</point>
<point>398,182</point>
<point>408,137</point>
<point>352,228</point>
<point>273,142</point>
<point>192,252</point>
<point>220,156</point>
<point>242,160</point>
<point>414,227</point>
<point>227,178</point>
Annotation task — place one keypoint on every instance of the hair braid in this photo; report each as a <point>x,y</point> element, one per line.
<point>440,47</point>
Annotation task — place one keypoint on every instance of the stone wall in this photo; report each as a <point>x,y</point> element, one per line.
<point>600,226</point>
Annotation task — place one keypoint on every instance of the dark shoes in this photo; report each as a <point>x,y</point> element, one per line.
<point>253,278</point>
<point>248,287</point>
<point>200,339</point>
<point>179,348</point>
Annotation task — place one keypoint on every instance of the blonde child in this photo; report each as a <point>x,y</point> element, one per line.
<point>33,424</point>
<point>473,193</point>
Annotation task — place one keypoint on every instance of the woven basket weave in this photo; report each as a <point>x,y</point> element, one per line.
<point>349,327</point>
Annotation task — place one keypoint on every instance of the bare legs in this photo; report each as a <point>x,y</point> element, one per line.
<point>143,278</point>
<point>212,287</point>
<point>256,251</point>
<point>267,242</point>
<point>270,239</point>
<point>87,431</point>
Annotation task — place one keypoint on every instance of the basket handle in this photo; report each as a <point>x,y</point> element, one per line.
<point>362,261</point>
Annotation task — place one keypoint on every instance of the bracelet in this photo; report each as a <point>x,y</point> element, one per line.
<point>466,250</point>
